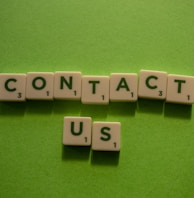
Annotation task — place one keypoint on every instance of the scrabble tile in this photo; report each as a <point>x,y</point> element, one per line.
<point>12,87</point>
<point>95,90</point>
<point>67,85</point>
<point>123,87</point>
<point>39,86</point>
<point>180,89</point>
<point>106,136</point>
<point>152,84</point>
<point>77,131</point>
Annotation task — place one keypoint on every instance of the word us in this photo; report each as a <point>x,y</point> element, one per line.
<point>80,131</point>
<point>97,89</point>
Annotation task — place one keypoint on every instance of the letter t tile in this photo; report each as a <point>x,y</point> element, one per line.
<point>95,90</point>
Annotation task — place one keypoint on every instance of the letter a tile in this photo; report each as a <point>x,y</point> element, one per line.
<point>123,87</point>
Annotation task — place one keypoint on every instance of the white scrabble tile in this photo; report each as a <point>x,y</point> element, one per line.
<point>77,131</point>
<point>39,85</point>
<point>180,89</point>
<point>123,87</point>
<point>106,136</point>
<point>95,90</point>
<point>152,84</point>
<point>12,87</point>
<point>67,85</point>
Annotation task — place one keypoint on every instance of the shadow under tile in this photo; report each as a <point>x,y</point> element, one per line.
<point>75,153</point>
<point>94,111</point>
<point>122,108</point>
<point>105,158</point>
<point>66,107</point>
<point>150,106</point>
<point>178,111</point>
<point>12,108</point>
<point>39,107</point>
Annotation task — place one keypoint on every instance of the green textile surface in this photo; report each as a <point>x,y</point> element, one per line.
<point>97,37</point>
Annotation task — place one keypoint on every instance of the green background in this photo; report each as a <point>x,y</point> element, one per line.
<point>97,37</point>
